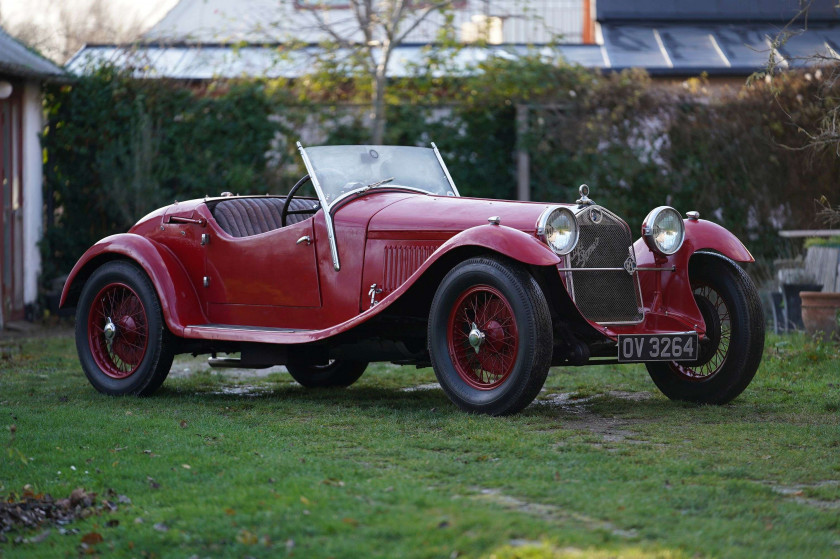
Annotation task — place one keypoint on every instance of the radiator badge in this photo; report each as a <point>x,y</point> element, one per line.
<point>630,265</point>
<point>595,215</point>
<point>581,255</point>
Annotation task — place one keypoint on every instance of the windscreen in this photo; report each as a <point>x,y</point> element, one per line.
<point>343,169</point>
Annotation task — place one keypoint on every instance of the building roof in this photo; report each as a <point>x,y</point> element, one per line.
<point>201,39</point>
<point>203,62</point>
<point>720,11</point>
<point>18,61</point>
<point>279,21</point>
<point>718,37</point>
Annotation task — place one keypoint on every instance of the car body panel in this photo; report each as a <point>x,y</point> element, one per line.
<point>306,300</point>
<point>442,215</point>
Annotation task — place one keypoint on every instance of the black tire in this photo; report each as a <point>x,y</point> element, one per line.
<point>334,374</point>
<point>138,356</point>
<point>731,307</point>
<point>501,305</point>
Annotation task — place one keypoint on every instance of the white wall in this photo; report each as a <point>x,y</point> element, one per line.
<point>33,197</point>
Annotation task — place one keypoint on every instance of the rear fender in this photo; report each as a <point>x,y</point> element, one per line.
<point>178,299</point>
<point>668,296</point>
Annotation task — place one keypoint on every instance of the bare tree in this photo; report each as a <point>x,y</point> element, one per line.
<point>827,65</point>
<point>72,26</point>
<point>372,31</point>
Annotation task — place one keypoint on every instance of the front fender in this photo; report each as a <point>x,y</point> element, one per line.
<point>667,296</point>
<point>510,242</point>
<point>178,300</point>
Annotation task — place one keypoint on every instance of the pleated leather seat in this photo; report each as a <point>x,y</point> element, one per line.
<point>242,217</point>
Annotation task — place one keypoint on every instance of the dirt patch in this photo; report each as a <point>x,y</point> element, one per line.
<point>22,329</point>
<point>549,512</point>
<point>30,510</point>
<point>576,415</point>
<point>187,365</point>
<point>420,387</point>
<point>247,390</point>
<point>797,493</point>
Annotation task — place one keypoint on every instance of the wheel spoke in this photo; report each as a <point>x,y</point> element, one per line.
<point>493,316</point>
<point>121,356</point>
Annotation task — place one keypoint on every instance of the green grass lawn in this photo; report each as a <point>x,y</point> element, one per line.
<point>602,465</point>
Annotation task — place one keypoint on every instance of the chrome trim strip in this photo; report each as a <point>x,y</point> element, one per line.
<point>445,170</point>
<point>377,189</point>
<point>671,269</point>
<point>327,215</point>
<point>591,270</point>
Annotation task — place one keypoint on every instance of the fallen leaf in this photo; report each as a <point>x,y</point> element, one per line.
<point>92,538</point>
<point>186,466</point>
<point>333,482</point>
<point>247,538</point>
<point>230,512</point>
<point>304,500</point>
<point>351,521</point>
<point>183,424</point>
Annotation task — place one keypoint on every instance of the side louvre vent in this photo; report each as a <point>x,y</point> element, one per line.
<point>403,260</point>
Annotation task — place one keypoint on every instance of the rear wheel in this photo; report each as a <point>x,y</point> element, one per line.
<point>334,374</point>
<point>729,303</point>
<point>123,344</point>
<point>490,336</point>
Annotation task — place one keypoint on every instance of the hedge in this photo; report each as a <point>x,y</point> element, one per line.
<point>118,147</point>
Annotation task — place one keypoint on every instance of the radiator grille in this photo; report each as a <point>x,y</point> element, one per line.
<point>604,296</point>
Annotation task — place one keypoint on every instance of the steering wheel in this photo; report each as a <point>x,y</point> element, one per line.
<point>288,201</point>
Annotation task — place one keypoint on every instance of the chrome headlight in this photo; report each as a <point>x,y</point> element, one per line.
<point>663,230</point>
<point>558,228</point>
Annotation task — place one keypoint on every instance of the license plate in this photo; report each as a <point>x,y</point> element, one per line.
<point>680,346</point>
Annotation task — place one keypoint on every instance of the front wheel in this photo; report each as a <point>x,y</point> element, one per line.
<point>334,374</point>
<point>123,344</point>
<point>490,337</point>
<point>729,358</point>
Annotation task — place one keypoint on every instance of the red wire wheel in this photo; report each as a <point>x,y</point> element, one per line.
<point>483,338</point>
<point>712,356</point>
<point>118,330</point>
<point>490,335</point>
<point>729,358</point>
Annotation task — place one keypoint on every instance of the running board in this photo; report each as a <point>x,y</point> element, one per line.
<point>230,363</point>
<point>257,334</point>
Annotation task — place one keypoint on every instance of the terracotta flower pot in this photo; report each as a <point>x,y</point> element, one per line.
<point>821,312</point>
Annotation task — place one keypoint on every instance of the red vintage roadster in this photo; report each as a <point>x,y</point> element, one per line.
<point>389,263</point>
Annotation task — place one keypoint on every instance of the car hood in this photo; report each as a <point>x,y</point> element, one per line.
<point>437,213</point>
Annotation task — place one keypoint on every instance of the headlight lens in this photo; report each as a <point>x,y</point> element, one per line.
<point>664,230</point>
<point>558,228</point>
